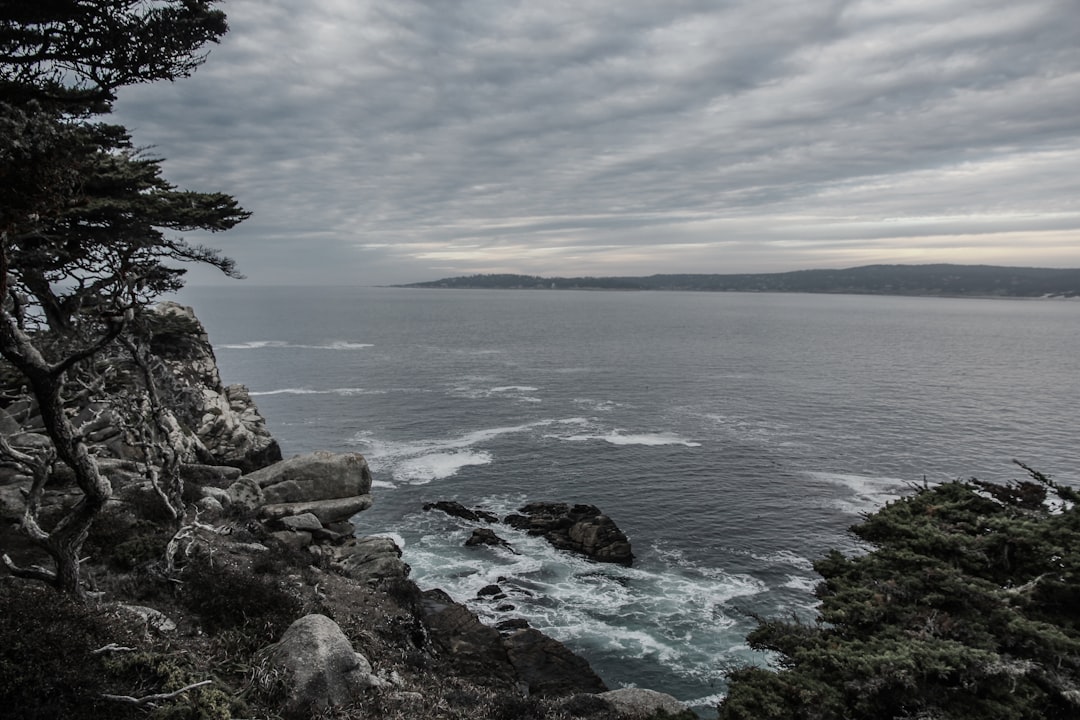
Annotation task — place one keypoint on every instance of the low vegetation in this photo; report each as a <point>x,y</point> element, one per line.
<point>964,608</point>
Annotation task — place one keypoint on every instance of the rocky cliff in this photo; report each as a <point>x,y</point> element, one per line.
<point>262,601</point>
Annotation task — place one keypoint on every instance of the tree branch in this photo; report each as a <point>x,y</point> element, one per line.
<point>150,699</point>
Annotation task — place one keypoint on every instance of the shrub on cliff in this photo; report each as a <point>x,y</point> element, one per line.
<point>230,598</point>
<point>37,680</point>
<point>965,608</point>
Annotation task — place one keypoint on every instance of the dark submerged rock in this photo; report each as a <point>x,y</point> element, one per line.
<point>578,528</point>
<point>484,536</point>
<point>456,509</point>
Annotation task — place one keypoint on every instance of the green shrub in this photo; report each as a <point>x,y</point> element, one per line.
<point>227,598</point>
<point>47,666</point>
<point>965,609</point>
<point>150,673</point>
<point>123,542</point>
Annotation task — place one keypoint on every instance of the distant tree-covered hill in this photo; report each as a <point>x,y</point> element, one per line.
<point>940,280</point>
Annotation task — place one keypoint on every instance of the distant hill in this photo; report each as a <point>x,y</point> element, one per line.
<point>933,280</point>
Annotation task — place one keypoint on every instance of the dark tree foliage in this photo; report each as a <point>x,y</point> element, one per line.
<point>967,607</point>
<point>86,220</point>
<point>76,53</point>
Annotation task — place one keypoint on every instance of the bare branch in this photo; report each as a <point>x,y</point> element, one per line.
<point>157,697</point>
<point>33,572</point>
<point>111,648</point>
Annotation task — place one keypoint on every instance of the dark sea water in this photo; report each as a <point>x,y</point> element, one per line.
<point>733,437</point>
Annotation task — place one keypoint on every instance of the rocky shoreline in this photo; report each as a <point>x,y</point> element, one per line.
<point>365,639</point>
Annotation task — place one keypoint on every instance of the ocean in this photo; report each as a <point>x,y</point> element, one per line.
<point>733,437</point>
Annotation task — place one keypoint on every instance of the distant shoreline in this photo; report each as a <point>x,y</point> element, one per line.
<point>947,281</point>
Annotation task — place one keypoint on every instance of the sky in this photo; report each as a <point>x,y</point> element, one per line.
<point>394,141</point>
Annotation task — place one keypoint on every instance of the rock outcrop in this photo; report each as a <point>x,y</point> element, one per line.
<point>369,559</point>
<point>540,665</point>
<point>320,668</point>
<point>578,528</point>
<point>486,536</point>
<point>549,667</point>
<point>477,649</point>
<point>224,419</point>
<point>331,486</point>
<point>210,424</point>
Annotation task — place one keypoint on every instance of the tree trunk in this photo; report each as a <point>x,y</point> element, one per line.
<point>64,541</point>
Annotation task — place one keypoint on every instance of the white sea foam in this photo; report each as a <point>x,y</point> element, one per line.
<point>709,701</point>
<point>617,437</point>
<point>863,494</point>
<point>785,557</point>
<point>470,391</point>
<point>418,462</point>
<point>263,344</point>
<point>311,391</point>
<point>604,406</point>
<point>755,431</point>
<point>436,466</point>
<point>801,583</point>
<point>398,539</point>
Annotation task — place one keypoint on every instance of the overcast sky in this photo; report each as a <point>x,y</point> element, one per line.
<point>389,141</point>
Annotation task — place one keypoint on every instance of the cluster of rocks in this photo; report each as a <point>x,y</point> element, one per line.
<point>307,503</point>
<point>321,670</point>
<point>581,529</point>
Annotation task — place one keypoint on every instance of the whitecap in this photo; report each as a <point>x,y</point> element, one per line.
<point>311,391</point>
<point>262,344</point>
<point>254,345</point>
<point>511,392</point>
<point>709,701</point>
<point>398,539</point>
<point>418,461</point>
<point>599,405</point>
<point>801,583</point>
<point>437,466</point>
<point>785,557</point>
<point>864,493</point>
<point>616,437</point>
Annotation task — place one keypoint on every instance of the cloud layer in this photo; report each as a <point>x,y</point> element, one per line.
<point>382,142</point>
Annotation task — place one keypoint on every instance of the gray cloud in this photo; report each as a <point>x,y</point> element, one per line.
<point>383,142</point>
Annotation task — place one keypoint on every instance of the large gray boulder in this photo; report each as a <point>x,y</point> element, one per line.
<point>328,511</point>
<point>369,559</point>
<point>319,475</point>
<point>331,486</point>
<point>321,668</point>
